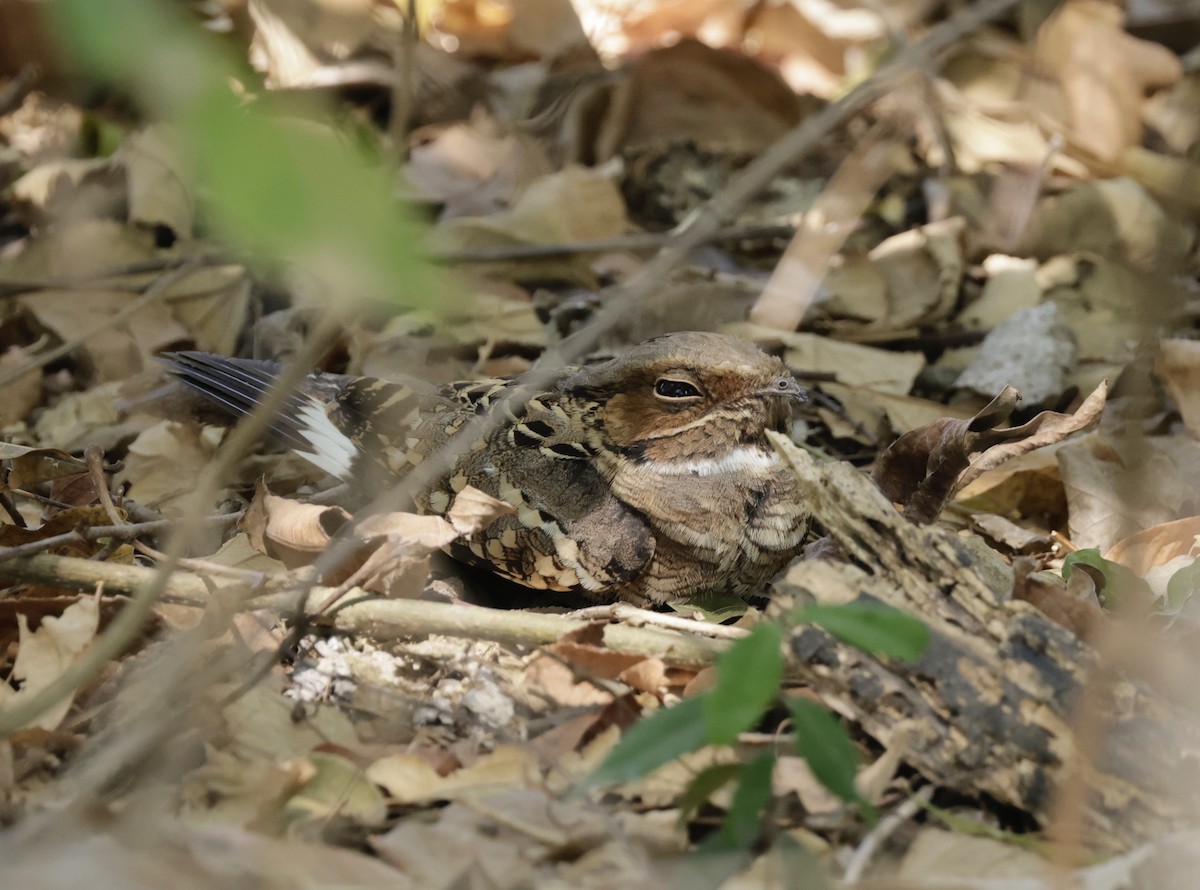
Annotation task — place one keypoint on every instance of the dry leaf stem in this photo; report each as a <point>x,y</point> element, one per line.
<point>633,241</point>
<point>124,532</point>
<point>378,618</point>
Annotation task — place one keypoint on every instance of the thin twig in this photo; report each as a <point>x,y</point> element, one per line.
<point>94,455</point>
<point>635,241</point>
<point>373,616</point>
<point>122,532</point>
<point>404,84</point>
<point>635,617</point>
<point>886,828</point>
<point>104,279</point>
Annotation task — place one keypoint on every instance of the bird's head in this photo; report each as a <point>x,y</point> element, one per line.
<point>688,395</point>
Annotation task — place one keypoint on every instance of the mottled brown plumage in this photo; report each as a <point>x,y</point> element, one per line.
<point>647,478</point>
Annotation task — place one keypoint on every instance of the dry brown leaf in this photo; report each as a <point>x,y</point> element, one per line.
<point>923,467</point>
<point>919,470</point>
<point>853,364</point>
<point>983,132</point>
<point>909,279</point>
<point>161,190</point>
<point>164,462</point>
<point>1104,101</point>
<point>501,315</point>
<point>44,655</point>
<point>1047,428</point>
<point>292,38</point>
<point>721,22</point>
<point>196,857</point>
<point>1175,180</point>
<point>81,418</point>
<point>1158,552</point>
<point>33,466</point>
<point>718,100</point>
<point>1152,547</point>
<point>1010,287</point>
<point>947,857</point>
<point>594,660</point>
<point>1073,604</point>
<point>336,788</point>
<point>793,775</point>
<point>72,189</point>
<point>290,531</point>
<point>212,304</point>
<point>497,840</point>
<point>78,249</point>
<point>1113,219</point>
<point>1178,366</point>
<point>408,779</point>
<point>793,286</point>
<point>1009,535</point>
<point>471,168</point>
<point>666,785</point>
<point>391,556</point>
<point>574,204</point>
<point>261,726</point>
<point>811,41</point>
<point>515,32</point>
<point>22,395</point>
<point>58,524</point>
<point>1117,486</point>
<point>473,510</point>
<point>562,686</point>
<point>115,352</point>
<point>648,675</point>
<point>1174,114</point>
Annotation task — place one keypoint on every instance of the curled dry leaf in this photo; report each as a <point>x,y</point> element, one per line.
<point>287,530</point>
<point>392,549</point>
<point>473,510</point>
<point>925,466</point>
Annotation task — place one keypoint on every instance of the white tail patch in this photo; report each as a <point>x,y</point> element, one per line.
<point>333,451</point>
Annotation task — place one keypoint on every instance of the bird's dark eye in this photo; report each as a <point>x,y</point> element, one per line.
<point>675,389</point>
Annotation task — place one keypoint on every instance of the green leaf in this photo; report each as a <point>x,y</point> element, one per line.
<point>823,743</point>
<point>654,741</point>
<point>1115,585</point>
<point>872,627</point>
<point>706,783</point>
<point>743,821</point>
<point>291,190</point>
<point>1180,588</point>
<point>748,678</point>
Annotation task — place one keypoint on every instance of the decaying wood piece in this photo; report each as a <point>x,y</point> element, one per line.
<point>989,706</point>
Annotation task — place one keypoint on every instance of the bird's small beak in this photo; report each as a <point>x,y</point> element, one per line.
<point>785,385</point>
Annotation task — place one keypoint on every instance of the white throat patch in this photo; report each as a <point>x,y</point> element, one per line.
<point>743,459</point>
